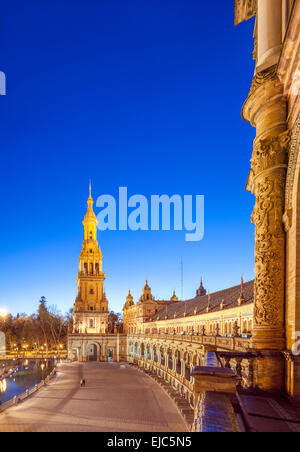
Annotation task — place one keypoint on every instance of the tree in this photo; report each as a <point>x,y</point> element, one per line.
<point>43,317</point>
<point>56,323</point>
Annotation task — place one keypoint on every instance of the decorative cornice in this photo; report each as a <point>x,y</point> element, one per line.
<point>244,10</point>
<point>265,87</point>
<point>262,77</point>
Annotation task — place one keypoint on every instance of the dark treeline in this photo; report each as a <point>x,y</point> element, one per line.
<point>46,328</point>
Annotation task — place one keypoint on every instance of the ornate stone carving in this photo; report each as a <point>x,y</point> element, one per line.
<point>293,157</point>
<point>244,10</point>
<point>269,250</point>
<point>262,77</point>
<point>270,152</point>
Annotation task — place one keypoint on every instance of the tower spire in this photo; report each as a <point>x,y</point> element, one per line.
<point>90,201</point>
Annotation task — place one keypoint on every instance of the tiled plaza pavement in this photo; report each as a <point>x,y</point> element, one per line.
<point>271,414</point>
<point>115,400</point>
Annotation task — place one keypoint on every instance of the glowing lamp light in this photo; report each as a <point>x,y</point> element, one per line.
<point>3,312</point>
<point>3,386</point>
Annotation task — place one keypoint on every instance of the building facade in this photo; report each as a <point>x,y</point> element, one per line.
<point>218,313</point>
<point>135,315</point>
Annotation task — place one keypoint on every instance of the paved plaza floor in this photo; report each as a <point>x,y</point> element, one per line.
<point>115,400</point>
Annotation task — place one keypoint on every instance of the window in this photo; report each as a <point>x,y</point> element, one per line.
<point>91,323</point>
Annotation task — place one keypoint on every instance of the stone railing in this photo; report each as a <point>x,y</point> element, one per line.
<point>209,391</point>
<point>28,393</point>
<point>214,388</point>
<point>180,381</point>
<point>34,355</point>
<point>242,363</point>
<point>226,343</point>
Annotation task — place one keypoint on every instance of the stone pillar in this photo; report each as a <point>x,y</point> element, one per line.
<point>266,109</point>
<point>269,22</point>
<point>174,363</point>
<point>159,356</point>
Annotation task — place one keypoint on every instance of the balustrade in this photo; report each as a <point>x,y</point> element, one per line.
<point>243,365</point>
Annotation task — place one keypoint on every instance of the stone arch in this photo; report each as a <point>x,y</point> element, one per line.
<point>136,348</point>
<point>162,355</point>
<point>170,354</point>
<point>130,348</point>
<point>148,348</point>
<point>93,350</point>
<point>187,365</point>
<point>155,355</point>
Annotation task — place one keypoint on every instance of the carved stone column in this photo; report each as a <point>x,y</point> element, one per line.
<point>266,109</point>
<point>269,164</point>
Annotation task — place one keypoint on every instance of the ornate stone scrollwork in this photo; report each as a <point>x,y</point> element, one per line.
<point>269,154</point>
<point>269,250</point>
<point>293,157</point>
<point>269,262</point>
<point>262,77</point>
<point>244,10</point>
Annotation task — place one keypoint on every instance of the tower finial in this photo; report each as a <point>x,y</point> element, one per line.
<point>90,201</point>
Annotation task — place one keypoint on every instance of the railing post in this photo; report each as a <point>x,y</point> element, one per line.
<point>251,372</point>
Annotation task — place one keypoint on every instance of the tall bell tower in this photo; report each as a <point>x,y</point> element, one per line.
<point>91,306</point>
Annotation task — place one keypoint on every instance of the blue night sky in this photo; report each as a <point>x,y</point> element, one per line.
<point>143,94</point>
